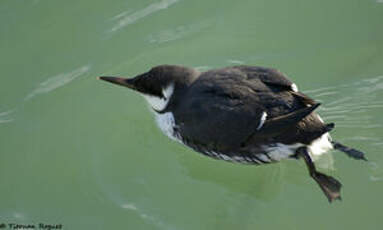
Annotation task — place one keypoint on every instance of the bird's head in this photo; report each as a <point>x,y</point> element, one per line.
<point>159,84</point>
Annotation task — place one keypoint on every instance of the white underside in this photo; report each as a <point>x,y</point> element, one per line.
<point>166,123</point>
<point>277,152</point>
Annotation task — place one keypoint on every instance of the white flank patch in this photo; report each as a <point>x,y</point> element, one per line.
<point>210,153</point>
<point>262,121</point>
<point>158,103</point>
<point>239,159</point>
<point>294,87</point>
<point>225,157</point>
<point>281,151</point>
<point>320,145</point>
<point>263,157</point>
<point>316,148</point>
<point>250,159</point>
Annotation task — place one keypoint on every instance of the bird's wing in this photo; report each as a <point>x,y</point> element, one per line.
<point>224,108</point>
<point>275,80</point>
<point>268,76</point>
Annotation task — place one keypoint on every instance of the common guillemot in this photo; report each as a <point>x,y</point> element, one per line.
<point>245,114</point>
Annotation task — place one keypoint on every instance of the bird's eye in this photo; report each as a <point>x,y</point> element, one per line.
<point>149,75</point>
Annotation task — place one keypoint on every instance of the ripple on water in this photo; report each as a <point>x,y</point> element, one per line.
<point>235,62</point>
<point>125,18</point>
<point>46,86</point>
<point>14,215</point>
<point>57,81</point>
<point>362,98</point>
<point>376,172</point>
<point>5,117</point>
<point>178,32</point>
<point>144,215</point>
<point>352,106</point>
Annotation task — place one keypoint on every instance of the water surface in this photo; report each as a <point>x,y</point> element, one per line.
<point>82,153</point>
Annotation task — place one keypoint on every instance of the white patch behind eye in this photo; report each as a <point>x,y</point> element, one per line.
<point>294,87</point>
<point>158,103</point>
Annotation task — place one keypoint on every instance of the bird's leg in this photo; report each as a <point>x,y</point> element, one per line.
<point>329,185</point>
<point>356,154</point>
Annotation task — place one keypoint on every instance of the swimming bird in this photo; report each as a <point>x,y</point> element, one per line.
<point>244,114</point>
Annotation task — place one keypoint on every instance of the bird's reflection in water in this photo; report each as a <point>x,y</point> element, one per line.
<point>262,182</point>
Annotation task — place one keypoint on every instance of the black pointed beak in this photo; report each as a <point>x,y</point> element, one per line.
<point>119,81</point>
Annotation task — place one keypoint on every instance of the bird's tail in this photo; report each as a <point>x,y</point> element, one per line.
<point>353,153</point>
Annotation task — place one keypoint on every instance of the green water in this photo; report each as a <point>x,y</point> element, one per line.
<point>85,154</point>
